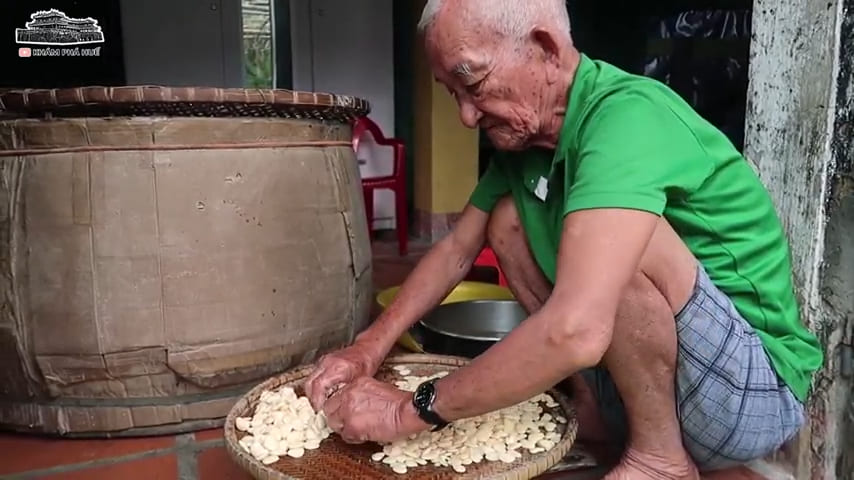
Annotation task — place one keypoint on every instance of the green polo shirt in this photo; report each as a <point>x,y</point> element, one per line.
<point>629,141</point>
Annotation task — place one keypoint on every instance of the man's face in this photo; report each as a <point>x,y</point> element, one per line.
<point>496,84</point>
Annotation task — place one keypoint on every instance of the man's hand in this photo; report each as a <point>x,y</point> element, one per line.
<point>371,410</point>
<point>340,367</point>
<point>443,267</point>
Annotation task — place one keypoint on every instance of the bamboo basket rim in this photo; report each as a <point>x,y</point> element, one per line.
<point>149,100</point>
<point>539,464</point>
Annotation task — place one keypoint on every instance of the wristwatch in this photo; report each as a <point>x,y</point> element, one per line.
<point>422,400</point>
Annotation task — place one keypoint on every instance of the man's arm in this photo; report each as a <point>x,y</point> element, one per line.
<point>599,253</point>
<point>435,275</point>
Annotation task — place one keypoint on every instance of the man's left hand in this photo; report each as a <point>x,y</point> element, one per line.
<point>370,410</point>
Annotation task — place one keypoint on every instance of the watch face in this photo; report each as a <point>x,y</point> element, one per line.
<point>423,395</point>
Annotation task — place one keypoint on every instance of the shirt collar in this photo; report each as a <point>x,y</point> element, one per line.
<point>582,85</point>
<point>539,161</point>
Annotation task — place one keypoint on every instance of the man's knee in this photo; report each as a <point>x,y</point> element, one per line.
<point>504,227</point>
<point>669,266</point>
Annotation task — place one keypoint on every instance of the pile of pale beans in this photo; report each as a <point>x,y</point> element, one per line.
<point>285,424</point>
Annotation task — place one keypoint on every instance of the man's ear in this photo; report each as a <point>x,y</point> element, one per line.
<point>549,50</point>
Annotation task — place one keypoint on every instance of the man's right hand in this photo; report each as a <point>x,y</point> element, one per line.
<point>443,267</point>
<point>339,367</point>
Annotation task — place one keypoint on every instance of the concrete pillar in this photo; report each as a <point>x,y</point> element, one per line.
<point>800,134</point>
<point>445,152</point>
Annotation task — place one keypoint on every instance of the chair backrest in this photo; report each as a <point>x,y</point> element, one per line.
<point>365,124</point>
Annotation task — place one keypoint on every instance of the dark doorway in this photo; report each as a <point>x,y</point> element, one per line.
<point>699,48</point>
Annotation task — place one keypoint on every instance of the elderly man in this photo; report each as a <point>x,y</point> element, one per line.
<point>642,244</point>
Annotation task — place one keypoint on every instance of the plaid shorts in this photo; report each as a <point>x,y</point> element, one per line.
<point>731,405</point>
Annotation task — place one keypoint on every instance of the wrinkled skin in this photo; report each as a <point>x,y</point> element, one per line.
<point>370,410</point>
<point>514,91</point>
<point>340,367</point>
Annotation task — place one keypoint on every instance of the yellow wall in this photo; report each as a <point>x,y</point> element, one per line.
<point>446,152</point>
<point>422,127</point>
<point>455,155</point>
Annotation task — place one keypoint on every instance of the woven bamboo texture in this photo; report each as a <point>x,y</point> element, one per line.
<point>335,459</point>
<point>153,100</point>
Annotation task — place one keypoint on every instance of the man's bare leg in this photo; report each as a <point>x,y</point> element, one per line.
<point>531,289</point>
<point>642,363</point>
<point>524,277</point>
<point>642,355</point>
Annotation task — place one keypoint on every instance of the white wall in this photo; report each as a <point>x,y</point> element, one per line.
<point>346,47</point>
<point>182,42</point>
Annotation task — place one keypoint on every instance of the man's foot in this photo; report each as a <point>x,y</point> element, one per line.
<point>642,466</point>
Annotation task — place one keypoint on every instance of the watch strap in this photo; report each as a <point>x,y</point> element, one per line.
<point>423,400</point>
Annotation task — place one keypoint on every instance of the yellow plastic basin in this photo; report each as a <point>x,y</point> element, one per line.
<point>463,292</point>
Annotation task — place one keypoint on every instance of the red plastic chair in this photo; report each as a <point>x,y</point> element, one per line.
<point>396,182</point>
<point>487,258</point>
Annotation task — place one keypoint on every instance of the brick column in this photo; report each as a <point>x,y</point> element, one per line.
<point>799,133</point>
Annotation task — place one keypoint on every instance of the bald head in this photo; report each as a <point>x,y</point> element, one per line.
<point>513,19</point>
<point>493,25</point>
<point>508,63</point>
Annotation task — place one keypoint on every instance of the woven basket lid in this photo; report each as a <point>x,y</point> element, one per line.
<point>154,100</point>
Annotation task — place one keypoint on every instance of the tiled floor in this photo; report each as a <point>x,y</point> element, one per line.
<point>198,456</point>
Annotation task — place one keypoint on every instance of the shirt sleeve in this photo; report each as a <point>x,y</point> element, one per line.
<point>491,187</point>
<point>634,153</point>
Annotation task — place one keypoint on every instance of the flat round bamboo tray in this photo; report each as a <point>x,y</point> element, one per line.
<point>336,459</point>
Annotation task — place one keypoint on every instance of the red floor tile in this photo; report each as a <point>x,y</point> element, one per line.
<point>24,452</point>
<point>216,464</point>
<point>212,434</point>
<point>156,468</point>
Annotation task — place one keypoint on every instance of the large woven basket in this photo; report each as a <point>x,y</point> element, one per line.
<point>124,212</point>
<point>336,459</point>
<point>154,100</point>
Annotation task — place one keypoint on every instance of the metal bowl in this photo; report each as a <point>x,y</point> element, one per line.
<point>464,291</point>
<point>468,328</point>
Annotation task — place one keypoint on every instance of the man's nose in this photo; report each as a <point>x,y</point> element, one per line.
<point>469,114</point>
